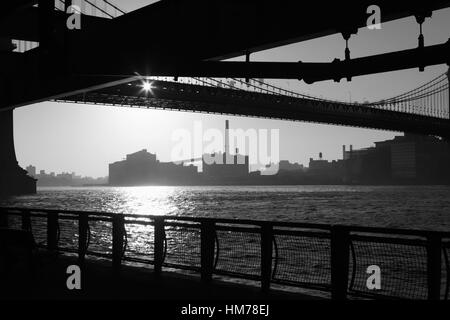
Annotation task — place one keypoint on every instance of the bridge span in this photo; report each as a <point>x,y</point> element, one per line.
<point>423,110</point>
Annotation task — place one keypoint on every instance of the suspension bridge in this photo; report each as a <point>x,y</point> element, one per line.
<point>109,61</point>
<point>423,110</point>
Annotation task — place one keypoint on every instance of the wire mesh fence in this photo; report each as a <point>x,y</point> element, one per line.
<point>238,253</point>
<point>39,228</point>
<point>68,235</point>
<point>403,265</point>
<point>100,238</point>
<point>139,243</point>
<point>182,246</point>
<point>302,261</point>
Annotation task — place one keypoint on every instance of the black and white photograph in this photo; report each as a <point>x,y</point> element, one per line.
<point>225,159</point>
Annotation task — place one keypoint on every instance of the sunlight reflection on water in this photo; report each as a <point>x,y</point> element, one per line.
<point>419,207</point>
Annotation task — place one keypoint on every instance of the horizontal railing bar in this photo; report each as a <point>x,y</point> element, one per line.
<point>99,254</point>
<point>410,242</point>
<point>139,222</point>
<point>181,266</point>
<point>380,230</point>
<point>300,284</point>
<point>362,294</point>
<point>240,275</point>
<point>98,219</point>
<point>182,225</point>
<point>238,229</point>
<point>140,260</point>
<point>406,232</point>
<point>301,233</point>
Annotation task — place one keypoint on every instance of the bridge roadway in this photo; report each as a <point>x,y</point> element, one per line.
<point>199,98</point>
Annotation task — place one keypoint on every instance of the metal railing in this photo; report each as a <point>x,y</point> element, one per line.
<point>414,264</point>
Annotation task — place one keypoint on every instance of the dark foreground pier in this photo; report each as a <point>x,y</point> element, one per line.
<point>99,281</point>
<point>167,257</point>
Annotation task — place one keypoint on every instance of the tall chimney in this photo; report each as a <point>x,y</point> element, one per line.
<point>227,141</point>
<point>343,152</point>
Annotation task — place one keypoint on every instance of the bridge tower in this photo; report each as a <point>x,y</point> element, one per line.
<point>13,179</point>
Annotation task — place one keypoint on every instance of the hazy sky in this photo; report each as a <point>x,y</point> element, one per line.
<point>83,138</point>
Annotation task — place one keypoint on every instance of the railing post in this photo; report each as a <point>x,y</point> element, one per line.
<point>448,91</point>
<point>82,237</point>
<point>158,254</point>
<point>434,247</point>
<point>340,253</point>
<point>117,238</point>
<point>266,255</point>
<point>52,231</point>
<point>207,250</point>
<point>3,219</point>
<point>26,220</point>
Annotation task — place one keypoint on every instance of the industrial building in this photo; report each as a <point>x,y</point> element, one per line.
<point>142,168</point>
<point>229,167</point>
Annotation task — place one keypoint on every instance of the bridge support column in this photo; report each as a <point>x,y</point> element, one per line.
<point>13,179</point>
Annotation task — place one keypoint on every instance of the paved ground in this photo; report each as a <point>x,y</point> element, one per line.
<point>49,282</point>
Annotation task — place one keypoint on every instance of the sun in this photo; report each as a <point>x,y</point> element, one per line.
<point>147,86</point>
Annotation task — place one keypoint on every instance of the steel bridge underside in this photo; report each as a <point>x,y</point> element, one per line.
<point>196,98</point>
<point>175,38</point>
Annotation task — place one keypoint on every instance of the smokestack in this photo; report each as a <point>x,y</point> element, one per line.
<point>320,155</point>
<point>351,150</point>
<point>343,151</point>
<point>227,141</point>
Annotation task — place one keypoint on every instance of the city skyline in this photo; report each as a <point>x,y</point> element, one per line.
<point>288,162</point>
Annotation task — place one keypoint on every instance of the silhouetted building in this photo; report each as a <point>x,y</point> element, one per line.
<point>416,158</point>
<point>63,179</point>
<point>404,159</point>
<point>285,165</point>
<point>142,168</point>
<point>324,171</point>
<point>224,165</point>
<point>31,170</point>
